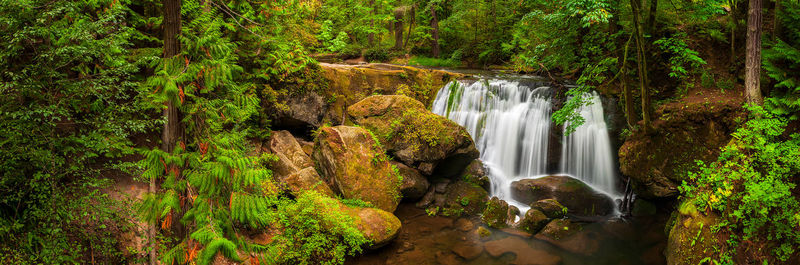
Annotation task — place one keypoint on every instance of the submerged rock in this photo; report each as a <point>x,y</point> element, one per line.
<point>570,237</point>
<point>496,213</point>
<point>294,169</point>
<point>579,198</point>
<point>356,166</point>
<point>524,253</point>
<point>416,136</point>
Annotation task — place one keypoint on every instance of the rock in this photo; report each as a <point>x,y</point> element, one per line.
<point>570,237</point>
<point>496,213</point>
<point>523,252</point>
<point>643,208</point>
<point>691,238</point>
<point>516,232</point>
<point>379,226</point>
<point>483,233</point>
<point>464,224</point>
<point>512,214</point>
<point>465,197</point>
<point>697,125</point>
<point>476,173</point>
<point>414,135</point>
<point>304,110</point>
<point>356,166</point>
<point>294,168</point>
<point>414,185</point>
<point>579,198</point>
<point>468,250</point>
<point>441,187</point>
<point>549,207</point>
<point>427,199</point>
<point>533,221</point>
<point>446,258</point>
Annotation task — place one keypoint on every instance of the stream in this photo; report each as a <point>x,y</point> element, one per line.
<point>509,118</point>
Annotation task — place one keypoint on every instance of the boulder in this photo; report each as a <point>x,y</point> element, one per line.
<point>496,213</point>
<point>303,111</point>
<point>579,198</point>
<point>691,235</point>
<point>294,169</point>
<point>356,167</point>
<point>379,226</point>
<point>416,136</point>
<point>414,184</point>
<point>533,221</point>
<point>466,198</point>
<point>549,207</point>
<point>475,173</point>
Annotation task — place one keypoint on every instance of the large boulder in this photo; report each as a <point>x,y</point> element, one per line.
<point>356,166</point>
<point>379,226</point>
<point>549,207</point>
<point>691,235</point>
<point>464,197</point>
<point>496,213</point>
<point>579,198</point>
<point>533,221</point>
<point>294,169</point>
<point>416,136</point>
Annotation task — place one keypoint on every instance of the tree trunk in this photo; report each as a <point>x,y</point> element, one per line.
<point>641,62</point>
<point>734,21</point>
<point>776,23</point>
<point>413,16</point>
<point>435,32</point>
<point>651,21</point>
<point>752,82</point>
<point>171,132</point>
<point>371,36</point>
<point>398,28</point>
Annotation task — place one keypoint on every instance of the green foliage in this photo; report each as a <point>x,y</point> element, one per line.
<point>751,184</point>
<point>683,60</point>
<point>434,62</point>
<point>569,115</point>
<point>376,54</point>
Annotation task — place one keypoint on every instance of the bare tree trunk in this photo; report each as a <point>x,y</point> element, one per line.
<point>734,22</point>
<point>435,32</point>
<point>371,36</point>
<point>636,7</point>
<point>776,25</point>
<point>413,16</point>
<point>398,27</point>
<point>171,132</point>
<point>651,21</point>
<point>752,82</point>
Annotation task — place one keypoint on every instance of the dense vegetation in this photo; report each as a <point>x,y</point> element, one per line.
<point>89,85</point>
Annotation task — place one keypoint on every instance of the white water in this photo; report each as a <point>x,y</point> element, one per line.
<point>510,124</point>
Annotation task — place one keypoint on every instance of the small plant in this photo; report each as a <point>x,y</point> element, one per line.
<point>432,211</point>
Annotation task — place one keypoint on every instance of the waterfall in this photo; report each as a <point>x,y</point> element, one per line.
<point>586,153</point>
<point>510,123</point>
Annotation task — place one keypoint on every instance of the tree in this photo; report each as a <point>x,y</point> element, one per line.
<point>752,78</point>
<point>434,30</point>
<point>636,9</point>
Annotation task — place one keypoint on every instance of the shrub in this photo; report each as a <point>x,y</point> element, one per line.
<point>376,54</point>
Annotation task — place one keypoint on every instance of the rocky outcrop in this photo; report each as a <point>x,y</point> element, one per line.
<point>579,198</point>
<point>691,238</point>
<point>550,208</point>
<point>533,221</point>
<point>348,84</point>
<point>416,136</point>
<point>294,169</point>
<point>496,213</point>
<point>356,167</point>
<point>697,125</point>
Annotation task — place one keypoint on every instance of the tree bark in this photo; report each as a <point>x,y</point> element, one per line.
<point>776,23</point>
<point>651,21</point>
<point>734,22</point>
<point>171,132</point>
<point>435,32</point>
<point>641,62</point>
<point>752,82</point>
<point>413,16</point>
<point>399,15</point>
<point>371,36</point>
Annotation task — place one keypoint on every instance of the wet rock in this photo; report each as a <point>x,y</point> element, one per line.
<point>550,208</point>
<point>476,173</point>
<point>496,213</point>
<point>570,237</point>
<point>579,198</point>
<point>355,166</point>
<point>441,187</point>
<point>294,168</point>
<point>414,185</point>
<point>523,252</point>
<point>379,226</point>
<point>516,232</point>
<point>447,258</point>
<point>464,224</point>
<point>414,135</point>
<point>468,250</point>
<point>465,197</point>
<point>533,221</point>
<point>643,208</point>
<point>427,200</point>
<point>512,214</point>
<point>483,233</point>
<point>619,228</point>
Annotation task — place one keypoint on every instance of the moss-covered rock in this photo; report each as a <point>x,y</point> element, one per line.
<point>691,238</point>
<point>294,168</point>
<point>379,226</point>
<point>416,136</point>
<point>356,166</point>
<point>414,184</point>
<point>697,125</point>
<point>466,198</point>
<point>496,213</point>
<point>475,173</point>
<point>579,198</point>
<point>533,221</point>
<point>550,208</point>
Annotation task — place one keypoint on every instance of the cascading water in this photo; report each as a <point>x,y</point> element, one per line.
<point>586,153</point>
<point>510,123</point>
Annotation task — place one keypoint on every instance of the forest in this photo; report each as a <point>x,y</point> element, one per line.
<point>399,132</point>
